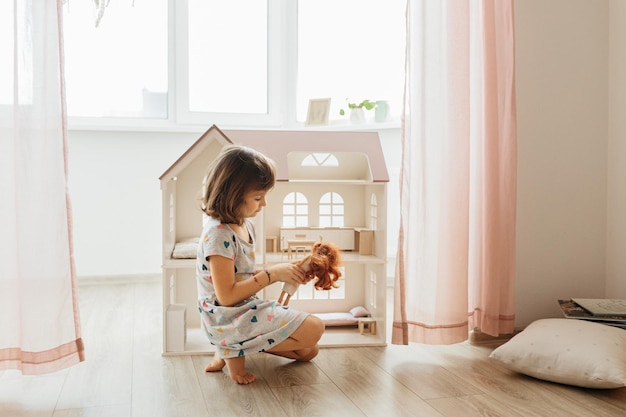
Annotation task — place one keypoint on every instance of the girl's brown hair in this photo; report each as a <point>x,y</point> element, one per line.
<point>236,171</point>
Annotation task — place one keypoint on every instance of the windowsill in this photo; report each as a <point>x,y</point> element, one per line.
<point>166,126</point>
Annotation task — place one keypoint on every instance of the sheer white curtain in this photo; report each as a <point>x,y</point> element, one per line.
<point>456,254</point>
<point>39,320</point>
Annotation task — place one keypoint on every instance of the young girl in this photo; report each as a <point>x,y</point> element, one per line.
<point>236,321</point>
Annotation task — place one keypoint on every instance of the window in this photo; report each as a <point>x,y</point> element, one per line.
<point>115,70</point>
<point>331,210</point>
<point>308,291</point>
<point>240,62</point>
<point>373,286</point>
<point>320,160</point>
<point>373,212</point>
<point>295,210</point>
<point>350,50</point>
<point>6,49</point>
<point>227,57</point>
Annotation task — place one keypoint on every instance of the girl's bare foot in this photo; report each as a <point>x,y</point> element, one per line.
<point>238,372</point>
<point>216,365</point>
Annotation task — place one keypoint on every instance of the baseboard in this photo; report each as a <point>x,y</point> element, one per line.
<point>118,279</point>
<point>476,337</point>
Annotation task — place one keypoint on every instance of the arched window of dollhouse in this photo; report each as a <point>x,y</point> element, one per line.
<point>373,212</point>
<point>320,160</point>
<point>331,210</point>
<point>295,210</point>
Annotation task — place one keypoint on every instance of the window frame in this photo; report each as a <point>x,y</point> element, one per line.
<point>282,83</point>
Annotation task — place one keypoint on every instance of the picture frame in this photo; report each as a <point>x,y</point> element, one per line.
<point>318,112</point>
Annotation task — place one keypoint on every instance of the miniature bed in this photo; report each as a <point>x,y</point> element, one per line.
<point>351,318</point>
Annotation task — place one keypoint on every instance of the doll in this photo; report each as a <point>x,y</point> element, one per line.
<point>321,265</point>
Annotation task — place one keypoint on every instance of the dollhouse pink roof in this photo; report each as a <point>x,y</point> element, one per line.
<point>278,145</point>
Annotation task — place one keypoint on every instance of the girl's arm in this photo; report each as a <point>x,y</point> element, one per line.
<point>229,292</point>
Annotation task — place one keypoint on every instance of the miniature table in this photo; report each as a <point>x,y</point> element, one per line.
<point>369,322</point>
<point>297,245</point>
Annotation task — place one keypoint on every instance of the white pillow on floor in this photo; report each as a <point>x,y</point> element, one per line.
<point>568,351</point>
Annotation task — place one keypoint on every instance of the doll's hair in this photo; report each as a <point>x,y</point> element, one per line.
<point>325,260</point>
<point>236,171</point>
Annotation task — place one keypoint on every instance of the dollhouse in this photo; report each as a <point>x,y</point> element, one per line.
<point>331,186</point>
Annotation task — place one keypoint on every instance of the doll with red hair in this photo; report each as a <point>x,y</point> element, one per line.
<point>321,266</point>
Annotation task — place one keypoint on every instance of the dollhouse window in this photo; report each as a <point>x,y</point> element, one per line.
<point>320,160</point>
<point>331,210</point>
<point>373,212</point>
<point>372,284</point>
<point>295,210</point>
<point>308,291</point>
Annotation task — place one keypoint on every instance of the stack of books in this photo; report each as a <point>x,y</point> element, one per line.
<point>611,312</point>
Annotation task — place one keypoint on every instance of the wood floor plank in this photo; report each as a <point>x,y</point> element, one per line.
<point>105,376</point>
<point>316,400</point>
<point>423,377</point>
<point>100,411</point>
<point>282,372</point>
<point>472,406</point>
<point>161,386</point>
<point>31,396</point>
<point>126,375</point>
<point>521,394</point>
<point>223,397</point>
<point>373,390</point>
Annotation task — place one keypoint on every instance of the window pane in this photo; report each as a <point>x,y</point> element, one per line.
<point>289,198</point>
<point>301,198</point>
<point>325,221</point>
<point>6,52</point>
<point>337,198</point>
<point>228,56</point>
<point>356,53</point>
<point>119,68</point>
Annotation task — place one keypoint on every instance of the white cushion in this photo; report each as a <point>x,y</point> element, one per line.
<point>568,351</point>
<point>186,248</point>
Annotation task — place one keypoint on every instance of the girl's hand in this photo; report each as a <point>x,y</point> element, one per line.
<point>288,272</point>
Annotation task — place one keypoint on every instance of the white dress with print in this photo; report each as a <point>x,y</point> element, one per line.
<point>253,325</point>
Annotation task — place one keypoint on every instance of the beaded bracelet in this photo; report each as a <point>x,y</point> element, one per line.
<point>257,281</point>
<point>269,277</point>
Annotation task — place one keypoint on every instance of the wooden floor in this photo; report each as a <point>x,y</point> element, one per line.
<point>125,375</point>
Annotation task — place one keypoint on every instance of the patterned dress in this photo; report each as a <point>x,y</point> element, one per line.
<point>253,325</point>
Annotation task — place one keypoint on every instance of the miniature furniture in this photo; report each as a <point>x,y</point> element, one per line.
<point>298,245</point>
<point>274,240</point>
<point>331,186</point>
<point>368,322</point>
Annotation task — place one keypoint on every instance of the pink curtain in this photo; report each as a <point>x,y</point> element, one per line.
<point>455,268</point>
<point>39,318</point>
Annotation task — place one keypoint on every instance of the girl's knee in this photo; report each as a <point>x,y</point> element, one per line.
<point>316,326</point>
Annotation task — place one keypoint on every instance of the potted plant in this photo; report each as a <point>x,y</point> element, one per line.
<point>357,114</point>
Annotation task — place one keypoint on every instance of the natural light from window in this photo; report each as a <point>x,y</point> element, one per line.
<point>240,62</point>
<point>228,56</point>
<point>118,69</point>
<point>6,48</point>
<point>350,49</point>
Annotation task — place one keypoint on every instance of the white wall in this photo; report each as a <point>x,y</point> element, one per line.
<point>562,90</point>
<point>571,234</point>
<point>116,200</point>
<point>616,206</point>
